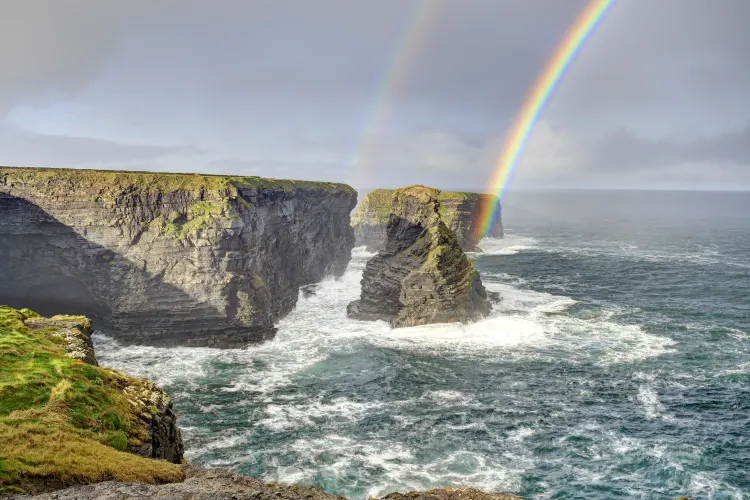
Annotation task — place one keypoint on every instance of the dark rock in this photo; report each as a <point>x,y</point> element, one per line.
<point>309,290</point>
<point>459,210</point>
<point>168,259</point>
<point>222,484</point>
<point>422,276</point>
<point>157,413</point>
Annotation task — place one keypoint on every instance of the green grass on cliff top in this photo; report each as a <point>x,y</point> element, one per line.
<point>63,421</point>
<point>112,182</point>
<point>376,205</point>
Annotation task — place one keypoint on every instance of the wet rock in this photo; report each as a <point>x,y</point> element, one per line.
<point>222,484</point>
<point>309,290</point>
<point>423,275</point>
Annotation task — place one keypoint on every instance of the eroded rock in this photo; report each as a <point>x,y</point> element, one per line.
<point>423,275</point>
<point>459,210</point>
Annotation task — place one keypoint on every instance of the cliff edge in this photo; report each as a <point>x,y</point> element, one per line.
<point>170,259</point>
<point>458,210</point>
<point>422,276</point>
<point>66,421</point>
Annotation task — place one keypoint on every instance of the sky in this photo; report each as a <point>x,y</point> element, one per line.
<point>378,93</point>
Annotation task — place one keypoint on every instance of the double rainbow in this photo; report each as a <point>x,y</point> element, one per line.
<point>543,87</point>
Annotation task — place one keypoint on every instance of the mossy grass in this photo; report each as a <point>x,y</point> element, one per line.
<point>376,205</point>
<point>63,421</point>
<point>108,185</point>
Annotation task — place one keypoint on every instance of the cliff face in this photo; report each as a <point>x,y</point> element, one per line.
<point>422,276</point>
<point>169,258</point>
<point>64,420</point>
<point>459,211</point>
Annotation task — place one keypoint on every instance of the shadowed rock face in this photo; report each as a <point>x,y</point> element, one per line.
<point>458,210</point>
<point>422,276</point>
<point>168,258</point>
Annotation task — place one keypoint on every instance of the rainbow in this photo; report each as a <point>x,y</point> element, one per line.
<point>419,23</point>
<point>545,84</point>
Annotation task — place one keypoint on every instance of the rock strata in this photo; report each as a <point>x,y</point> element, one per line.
<point>166,259</point>
<point>74,330</point>
<point>459,211</point>
<point>222,484</point>
<point>422,276</point>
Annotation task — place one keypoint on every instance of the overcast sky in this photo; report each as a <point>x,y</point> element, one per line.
<point>658,98</point>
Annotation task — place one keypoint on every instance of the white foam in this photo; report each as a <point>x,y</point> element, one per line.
<point>526,325</point>
<point>649,400</point>
<point>510,244</point>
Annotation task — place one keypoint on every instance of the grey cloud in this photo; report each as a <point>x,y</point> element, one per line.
<point>678,59</point>
<point>23,147</point>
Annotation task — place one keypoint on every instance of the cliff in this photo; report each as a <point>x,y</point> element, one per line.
<point>458,210</point>
<point>169,258</point>
<point>64,420</point>
<point>422,276</point>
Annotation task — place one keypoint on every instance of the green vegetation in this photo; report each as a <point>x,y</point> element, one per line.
<point>375,208</point>
<point>200,215</point>
<point>110,185</point>
<point>63,421</point>
<point>258,281</point>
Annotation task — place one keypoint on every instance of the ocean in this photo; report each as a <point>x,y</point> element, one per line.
<point>616,366</point>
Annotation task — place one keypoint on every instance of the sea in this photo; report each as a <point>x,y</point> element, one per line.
<point>617,365</point>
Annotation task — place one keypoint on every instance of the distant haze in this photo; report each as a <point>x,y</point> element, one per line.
<point>657,99</point>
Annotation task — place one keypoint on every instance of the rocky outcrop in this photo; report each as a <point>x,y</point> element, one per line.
<point>222,484</point>
<point>66,421</point>
<point>75,331</point>
<point>422,276</point>
<point>169,258</point>
<point>459,211</point>
<point>154,407</point>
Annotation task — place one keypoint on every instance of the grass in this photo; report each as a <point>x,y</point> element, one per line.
<point>199,215</point>
<point>376,206</point>
<point>111,185</point>
<point>63,421</point>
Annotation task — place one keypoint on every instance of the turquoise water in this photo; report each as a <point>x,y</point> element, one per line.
<point>616,366</point>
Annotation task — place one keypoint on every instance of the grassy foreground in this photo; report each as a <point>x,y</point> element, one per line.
<point>63,421</point>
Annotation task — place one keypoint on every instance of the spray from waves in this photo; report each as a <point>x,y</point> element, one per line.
<point>284,411</point>
<point>510,244</point>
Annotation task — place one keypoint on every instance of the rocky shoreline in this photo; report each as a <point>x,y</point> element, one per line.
<point>222,484</point>
<point>105,435</point>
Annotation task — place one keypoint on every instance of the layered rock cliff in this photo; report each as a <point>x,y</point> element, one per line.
<point>422,276</point>
<point>64,420</point>
<point>169,258</point>
<point>459,211</point>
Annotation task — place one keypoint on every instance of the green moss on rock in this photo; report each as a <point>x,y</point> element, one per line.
<point>63,421</point>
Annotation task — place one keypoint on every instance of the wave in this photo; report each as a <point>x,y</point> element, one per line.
<point>252,408</point>
<point>510,244</point>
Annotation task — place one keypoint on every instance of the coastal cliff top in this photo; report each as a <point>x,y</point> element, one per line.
<point>376,206</point>
<point>64,421</point>
<point>118,181</point>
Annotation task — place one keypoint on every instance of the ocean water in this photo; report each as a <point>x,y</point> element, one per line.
<point>616,366</point>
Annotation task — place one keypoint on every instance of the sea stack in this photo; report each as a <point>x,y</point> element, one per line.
<point>422,276</point>
<point>459,210</point>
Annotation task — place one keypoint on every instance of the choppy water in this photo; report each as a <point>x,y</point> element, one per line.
<point>617,366</point>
